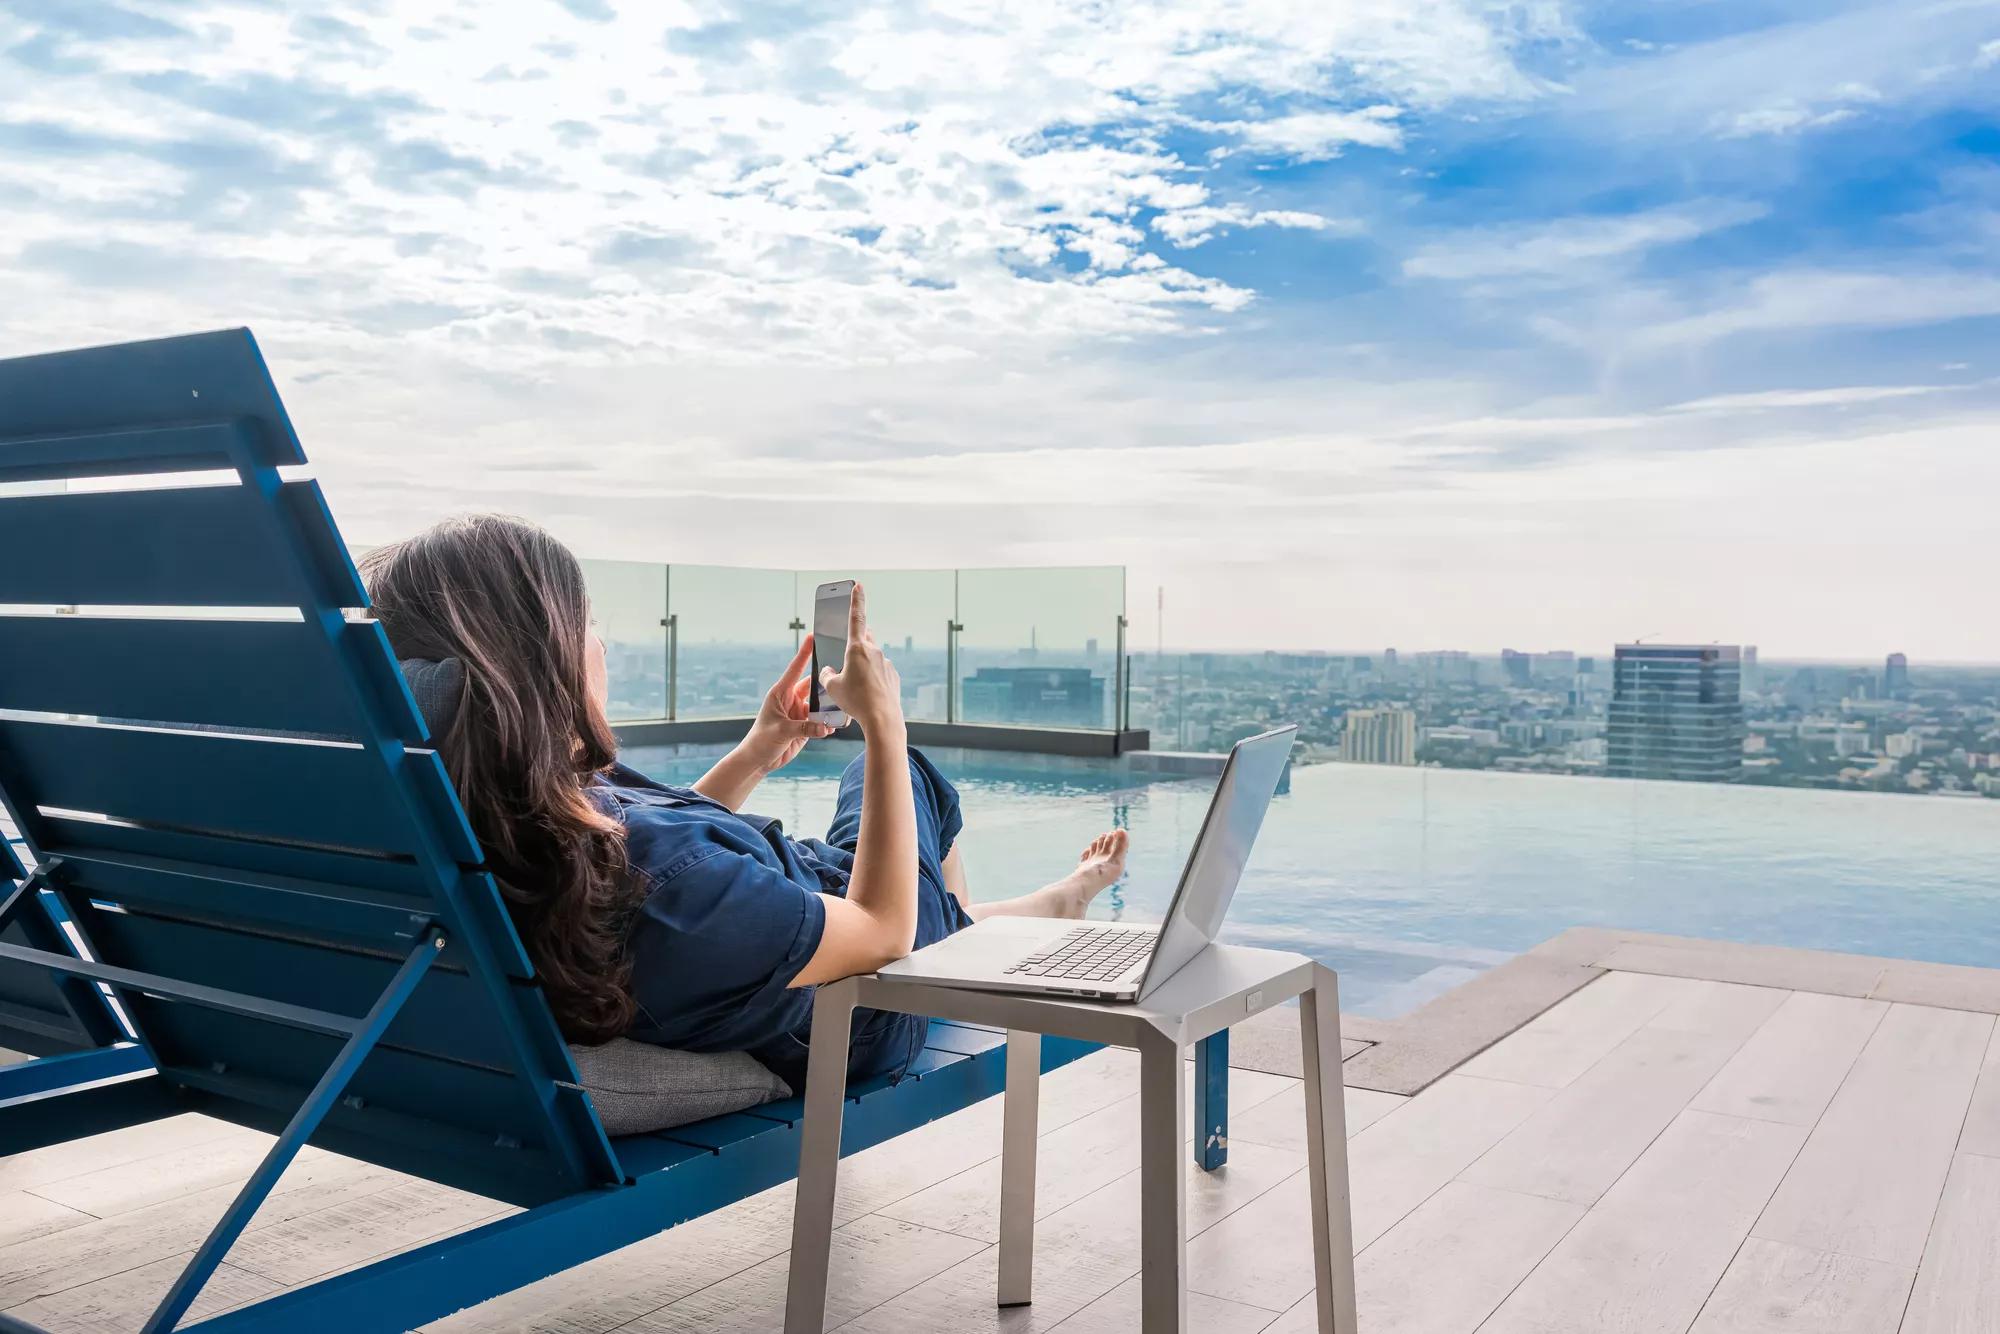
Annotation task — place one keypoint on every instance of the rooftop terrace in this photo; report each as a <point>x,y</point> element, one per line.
<point>1614,1131</point>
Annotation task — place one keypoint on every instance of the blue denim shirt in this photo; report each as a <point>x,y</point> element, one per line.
<point>732,913</point>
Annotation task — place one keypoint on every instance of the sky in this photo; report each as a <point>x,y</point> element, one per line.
<point>1347,323</point>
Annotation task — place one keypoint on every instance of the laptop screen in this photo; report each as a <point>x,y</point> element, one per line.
<point>1208,883</point>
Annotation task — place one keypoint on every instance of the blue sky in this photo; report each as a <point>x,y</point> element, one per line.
<point>1431,323</point>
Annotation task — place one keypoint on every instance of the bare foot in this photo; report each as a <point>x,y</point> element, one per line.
<point>1096,871</point>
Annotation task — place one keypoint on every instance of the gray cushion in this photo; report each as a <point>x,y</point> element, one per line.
<point>639,1087</point>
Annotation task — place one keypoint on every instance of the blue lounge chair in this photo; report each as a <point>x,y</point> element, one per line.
<point>297,931</point>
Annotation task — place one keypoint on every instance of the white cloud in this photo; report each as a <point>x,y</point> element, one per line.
<point>876,182</point>
<point>1989,55</point>
<point>1189,227</point>
<point>1772,399</point>
<point>1315,136</point>
<point>1817,300</point>
<point>1566,246</point>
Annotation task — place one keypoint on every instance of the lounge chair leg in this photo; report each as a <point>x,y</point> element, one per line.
<point>819,1158</point>
<point>1326,1154</point>
<point>1021,1111</point>
<point>294,1136</point>
<point>1211,1101</point>
<point>1162,1187</point>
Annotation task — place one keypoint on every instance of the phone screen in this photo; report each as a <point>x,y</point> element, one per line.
<point>830,612</point>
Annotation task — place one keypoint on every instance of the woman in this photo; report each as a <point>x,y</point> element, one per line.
<point>663,913</point>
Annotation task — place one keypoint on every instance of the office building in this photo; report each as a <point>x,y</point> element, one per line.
<point>1896,677</point>
<point>1379,736</point>
<point>1676,712</point>
<point>1518,668</point>
<point>1040,696</point>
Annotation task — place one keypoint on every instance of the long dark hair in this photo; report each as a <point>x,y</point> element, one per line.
<point>508,602</point>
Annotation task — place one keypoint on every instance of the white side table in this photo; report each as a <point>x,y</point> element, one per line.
<point>1222,986</point>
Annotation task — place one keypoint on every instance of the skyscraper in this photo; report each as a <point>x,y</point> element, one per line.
<point>1676,712</point>
<point>1045,696</point>
<point>1379,736</point>
<point>1519,667</point>
<point>1896,677</point>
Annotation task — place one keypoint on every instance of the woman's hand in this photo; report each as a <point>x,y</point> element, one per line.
<point>775,738</point>
<point>783,726</point>
<point>867,687</point>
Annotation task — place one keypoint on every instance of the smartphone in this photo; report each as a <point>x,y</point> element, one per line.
<point>833,604</point>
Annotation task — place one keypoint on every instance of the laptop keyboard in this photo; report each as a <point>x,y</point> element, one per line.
<point>1089,954</point>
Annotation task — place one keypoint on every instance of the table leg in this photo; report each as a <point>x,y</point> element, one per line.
<point>1326,1154</point>
<point>819,1158</point>
<point>1020,1112</point>
<point>1162,1186</point>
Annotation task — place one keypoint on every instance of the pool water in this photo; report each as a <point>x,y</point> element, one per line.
<point>1410,881</point>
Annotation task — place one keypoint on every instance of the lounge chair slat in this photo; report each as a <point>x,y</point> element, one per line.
<point>965,1039</point>
<point>719,1133</point>
<point>96,399</point>
<point>414,1145</point>
<point>319,910</point>
<point>255,675</point>
<point>931,1060</point>
<point>194,546</point>
<point>373,880</point>
<point>251,786</point>
<point>447,1017</point>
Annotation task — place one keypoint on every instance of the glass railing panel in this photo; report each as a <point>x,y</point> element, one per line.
<point>733,632</point>
<point>909,612</point>
<point>1040,646</point>
<point>628,601</point>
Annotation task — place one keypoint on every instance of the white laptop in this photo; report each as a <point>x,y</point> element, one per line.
<point>1108,961</point>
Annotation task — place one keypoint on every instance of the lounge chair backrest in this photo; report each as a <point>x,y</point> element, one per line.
<point>226,786</point>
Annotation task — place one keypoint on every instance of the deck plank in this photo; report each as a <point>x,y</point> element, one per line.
<point>1591,1131</point>
<point>1982,1120</point>
<point>1772,1288</point>
<point>309,1246</point>
<point>1495,1238</point>
<point>1281,1122</point>
<point>120,1303</point>
<point>24,1216</point>
<point>1554,1049</point>
<point>1790,1068</point>
<point>1958,1286</point>
<point>114,1148</point>
<point>164,1176</point>
<point>1117,1312</point>
<point>62,1260</point>
<point>1646,1257</point>
<point>1868,1180</point>
<point>873,1259</point>
<point>1082,1253</point>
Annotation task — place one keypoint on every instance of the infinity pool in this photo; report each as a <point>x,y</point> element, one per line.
<point>1409,881</point>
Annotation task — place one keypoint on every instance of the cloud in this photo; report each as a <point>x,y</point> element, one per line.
<point>1838,397</point>
<point>1189,227</point>
<point>1817,300</point>
<point>1314,136</point>
<point>880,281</point>
<point>1562,246</point>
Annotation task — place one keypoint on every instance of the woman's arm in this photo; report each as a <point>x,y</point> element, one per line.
<point>781,729</point>
<point>877,922</point>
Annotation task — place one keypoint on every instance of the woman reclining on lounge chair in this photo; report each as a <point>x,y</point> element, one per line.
<point>663,913</point>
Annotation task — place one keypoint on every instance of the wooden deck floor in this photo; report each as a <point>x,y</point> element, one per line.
<point>1653,1153</point>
